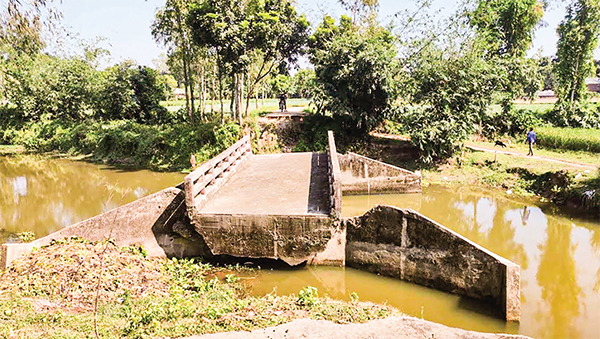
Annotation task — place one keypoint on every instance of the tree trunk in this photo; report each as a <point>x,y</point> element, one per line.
<point>203,89</point>
<point>212,94</point>
<point>187,93</point>
<point>232,102</point>
<point>186,70</point>
<point>220,78</point>
<point>239,97</point>
<point>191,80</point>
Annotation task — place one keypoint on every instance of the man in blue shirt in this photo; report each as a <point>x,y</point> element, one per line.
<point>530,140</point>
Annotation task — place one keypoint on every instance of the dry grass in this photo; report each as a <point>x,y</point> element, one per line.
<point>51,293</point>
<point>68,272</point>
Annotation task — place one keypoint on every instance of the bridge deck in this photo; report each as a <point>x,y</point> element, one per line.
<point>279,184</point>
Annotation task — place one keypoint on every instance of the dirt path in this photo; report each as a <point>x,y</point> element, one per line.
<point>290,112</point>
<point>389,328</point>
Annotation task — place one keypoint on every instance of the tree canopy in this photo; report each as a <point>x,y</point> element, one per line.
<point>507,26</point>
<point>355,70</point>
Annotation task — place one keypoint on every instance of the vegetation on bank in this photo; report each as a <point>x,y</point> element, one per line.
<point>79,289</point>
<point>558,183</point>
<point>127,143</point>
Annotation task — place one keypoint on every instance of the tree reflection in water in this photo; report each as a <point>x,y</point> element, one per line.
<point>42,196</point>
<point>557,278</point>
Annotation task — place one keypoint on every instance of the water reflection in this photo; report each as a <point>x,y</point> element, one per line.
<point>19,187</point>
<point>42,196</point>
<point>559,257</point>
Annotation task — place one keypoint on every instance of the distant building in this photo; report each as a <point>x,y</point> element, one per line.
<point>593,84</point>
<point>178,94</point>
<point>546,94</point>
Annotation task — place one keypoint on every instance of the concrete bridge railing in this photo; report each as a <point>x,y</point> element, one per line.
<point>335,177</point>
<point>362,175</point>
<point>205,181</point>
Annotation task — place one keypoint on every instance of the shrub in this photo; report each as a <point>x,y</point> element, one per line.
<point>514,123</point>
<point>579,114</point>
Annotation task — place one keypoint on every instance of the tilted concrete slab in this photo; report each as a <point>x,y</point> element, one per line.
<point>278,184</point>
<point>156,222</point>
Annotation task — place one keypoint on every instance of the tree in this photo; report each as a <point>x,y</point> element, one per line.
<point>131,92</point>
<point>507,26</point>
<point>49,87</point>
<point>578,38</point>
<point>360,9</point>
<point>304,82</point>
<point>546,65</point>
<point>21,25</point>
<point>356,71</point>
<point>170,29</point>
<point>239,31</point>
<point>219,25</point>
<point>449,93</point>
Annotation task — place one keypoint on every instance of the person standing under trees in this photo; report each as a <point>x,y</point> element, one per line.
<point>530,140</point>
<point>282,102</point>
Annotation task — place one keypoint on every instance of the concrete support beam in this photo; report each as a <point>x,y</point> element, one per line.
<point>292,238</point>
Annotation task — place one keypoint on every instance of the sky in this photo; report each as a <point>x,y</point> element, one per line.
<point>125,24</point>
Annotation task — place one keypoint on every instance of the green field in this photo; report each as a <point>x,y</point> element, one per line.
<point>577,139</point>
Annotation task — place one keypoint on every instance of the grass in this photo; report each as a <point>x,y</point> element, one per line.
<point>523,176</point>
<point>52,293</point>
<point>518,146</point>
<point>577,139</point>
<point>11,149</point>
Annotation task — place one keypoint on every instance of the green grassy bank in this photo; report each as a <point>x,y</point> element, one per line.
<point>126,143</point>
<point>77,289</point>
<point>561,184</point>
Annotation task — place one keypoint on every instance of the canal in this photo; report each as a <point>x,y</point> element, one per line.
<point>559,254</point>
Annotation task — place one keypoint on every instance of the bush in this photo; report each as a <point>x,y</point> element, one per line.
<point>580,114</point>
<point>514,123</point>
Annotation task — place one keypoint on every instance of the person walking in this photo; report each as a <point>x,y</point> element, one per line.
<point>531,139</point>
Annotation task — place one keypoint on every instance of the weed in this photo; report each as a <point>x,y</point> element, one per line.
<point>26,236</point>
<point>308,296</point>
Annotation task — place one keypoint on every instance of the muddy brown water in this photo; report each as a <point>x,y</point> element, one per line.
<point>559,259</point>
<point>43,196</point>
<point>559,255</point>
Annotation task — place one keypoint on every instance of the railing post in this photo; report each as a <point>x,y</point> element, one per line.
<point>335,177</point>
<point>189,191</point>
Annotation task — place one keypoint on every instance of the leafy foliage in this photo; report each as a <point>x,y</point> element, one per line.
<point>454,93</point>
<point>131,92</point>
<point>53,87</point>
<point>513,123</point>
<point>578,38</point>
<point>356,73</point>
<point>129,143</point>
<point>46,88</point>
<point>507,26</point>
